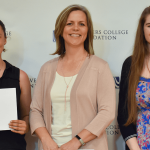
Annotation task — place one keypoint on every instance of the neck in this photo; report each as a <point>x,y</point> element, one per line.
<point>1,61</point>
<point>149,47</point>
<point>74,53</point>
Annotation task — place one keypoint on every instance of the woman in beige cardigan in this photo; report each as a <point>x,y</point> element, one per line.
<point>74,97</point>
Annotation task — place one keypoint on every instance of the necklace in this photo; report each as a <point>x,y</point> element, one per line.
<point>67,85</point>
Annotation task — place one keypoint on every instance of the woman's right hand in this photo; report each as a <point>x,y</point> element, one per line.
<point>49,144</point>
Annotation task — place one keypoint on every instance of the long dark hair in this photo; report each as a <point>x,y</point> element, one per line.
<point>139,53</point>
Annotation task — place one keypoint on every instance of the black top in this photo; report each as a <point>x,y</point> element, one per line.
<point>129,131</point>
<point>8,139</point>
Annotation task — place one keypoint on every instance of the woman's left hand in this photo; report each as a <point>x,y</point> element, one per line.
<point>73,144</point>
<point>19,126</point>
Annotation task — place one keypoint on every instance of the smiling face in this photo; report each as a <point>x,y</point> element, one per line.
<point>147,29</point>
<point>75,30</point>
<point>2,40</point>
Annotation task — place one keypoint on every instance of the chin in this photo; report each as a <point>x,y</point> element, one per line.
<point>76,44</point>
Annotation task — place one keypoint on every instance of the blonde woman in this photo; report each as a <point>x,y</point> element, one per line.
<point>74,97</point>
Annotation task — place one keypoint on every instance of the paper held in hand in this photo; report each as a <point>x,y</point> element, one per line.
<point>8,107</point>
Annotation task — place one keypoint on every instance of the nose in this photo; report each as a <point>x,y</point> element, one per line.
<point>76,27</point>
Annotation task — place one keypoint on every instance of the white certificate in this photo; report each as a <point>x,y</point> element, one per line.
<point>8,107</point>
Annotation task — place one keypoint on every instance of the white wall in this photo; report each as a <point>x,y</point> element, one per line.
<point>30,25</point>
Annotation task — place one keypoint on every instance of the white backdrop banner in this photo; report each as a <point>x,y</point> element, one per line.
<point>30,25</point>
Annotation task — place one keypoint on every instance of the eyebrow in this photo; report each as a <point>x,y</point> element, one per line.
<point>147,23</point>
<point>73,21</point>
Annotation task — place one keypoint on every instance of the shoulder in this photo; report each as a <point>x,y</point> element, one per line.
<point>102,70</point>
<point>96,59</point>
<point>46,66</point>
<point>127,62</point>
<point>12,71</point>
<point>24,81</point>
<point>126,66</point>
<point>15,73</point>
<point>97,63</point>
<point>23,76</point>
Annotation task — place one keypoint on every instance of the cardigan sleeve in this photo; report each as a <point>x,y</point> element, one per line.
<point>126,131</point>
<point>106,102</point>
<point>36,113</point>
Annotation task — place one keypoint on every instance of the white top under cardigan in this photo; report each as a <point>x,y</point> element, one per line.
<point>61,122</point>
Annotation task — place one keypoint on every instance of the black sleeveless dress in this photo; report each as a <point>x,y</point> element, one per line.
<point>8,139</point>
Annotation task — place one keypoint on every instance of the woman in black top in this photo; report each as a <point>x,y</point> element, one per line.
<point>134,95</point>
<point>12,77</point>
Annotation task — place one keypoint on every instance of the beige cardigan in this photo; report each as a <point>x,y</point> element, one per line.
<point>92,100</point>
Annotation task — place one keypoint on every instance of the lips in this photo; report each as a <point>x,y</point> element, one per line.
<point>75,35</point>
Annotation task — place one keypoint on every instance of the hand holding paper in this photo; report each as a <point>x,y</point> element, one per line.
<point>19,126</point>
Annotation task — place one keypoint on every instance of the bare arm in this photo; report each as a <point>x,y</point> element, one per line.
<point>25,97</point>
<point>22,126</point>
<point>133,144</point>
<point>47,142</point>
<point>42,133</point>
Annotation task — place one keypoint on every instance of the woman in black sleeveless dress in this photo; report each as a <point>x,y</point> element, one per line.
<point>12,77</point>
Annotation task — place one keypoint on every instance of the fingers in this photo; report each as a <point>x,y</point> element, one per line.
<point>17,121</point>
<point>18,126</point>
